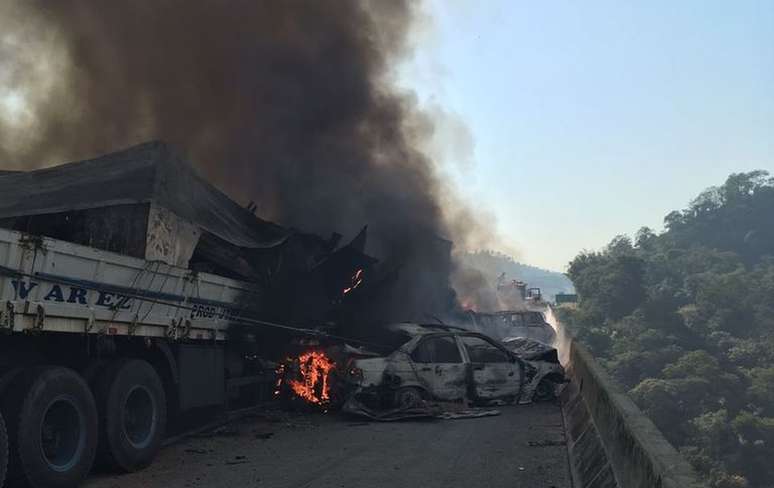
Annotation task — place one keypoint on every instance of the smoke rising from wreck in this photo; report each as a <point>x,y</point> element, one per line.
<point>288,104</point>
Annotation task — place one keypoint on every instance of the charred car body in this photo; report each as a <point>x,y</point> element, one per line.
<point>133,291</point>
<point>448,364</point>
<point>513,323</point>
<point>542,357</point>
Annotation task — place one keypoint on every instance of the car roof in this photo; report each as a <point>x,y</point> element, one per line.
<point>511,312</point>
<point>423,329</point>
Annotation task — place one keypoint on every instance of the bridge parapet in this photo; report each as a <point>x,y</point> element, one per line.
<point>611,442</point>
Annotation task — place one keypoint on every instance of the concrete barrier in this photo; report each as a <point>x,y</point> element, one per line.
<point>611,442</point>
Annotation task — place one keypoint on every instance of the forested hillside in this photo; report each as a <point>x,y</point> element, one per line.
<point>685,320</point>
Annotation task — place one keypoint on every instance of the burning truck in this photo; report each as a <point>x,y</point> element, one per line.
<point>131,290</point>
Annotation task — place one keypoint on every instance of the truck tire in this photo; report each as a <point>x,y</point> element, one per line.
<point>133,415</point>
<point>52,428</point>
<point>3,451</point>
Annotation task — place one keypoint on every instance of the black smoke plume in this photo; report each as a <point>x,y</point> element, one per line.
<point>287,103</point>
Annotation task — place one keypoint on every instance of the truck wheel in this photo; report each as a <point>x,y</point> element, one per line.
<point>3,450</point>
<point>52,428</point>
<point>133,414</point>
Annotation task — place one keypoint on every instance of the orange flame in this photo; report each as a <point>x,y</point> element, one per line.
<point>357,279</point>
<point>312,383</point>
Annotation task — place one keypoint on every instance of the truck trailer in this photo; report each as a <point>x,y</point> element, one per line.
<point>127,283</point>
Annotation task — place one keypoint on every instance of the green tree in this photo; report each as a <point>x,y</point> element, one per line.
<point>685,320</point>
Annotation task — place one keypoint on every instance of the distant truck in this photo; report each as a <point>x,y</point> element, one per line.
<point>534,295</point>
<point>111,325</point>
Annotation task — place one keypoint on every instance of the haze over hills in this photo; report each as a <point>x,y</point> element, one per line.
<point>492,264</point>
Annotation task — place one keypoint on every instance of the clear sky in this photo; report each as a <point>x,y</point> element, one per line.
<point>591,119</point>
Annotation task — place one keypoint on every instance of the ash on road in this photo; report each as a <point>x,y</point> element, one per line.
<point>522,448</point>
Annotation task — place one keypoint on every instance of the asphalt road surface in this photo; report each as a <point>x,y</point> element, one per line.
<point>524,447</point>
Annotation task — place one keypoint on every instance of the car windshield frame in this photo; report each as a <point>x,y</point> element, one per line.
<point>511,357</point>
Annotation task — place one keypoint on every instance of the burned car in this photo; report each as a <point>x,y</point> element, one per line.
<point>444,363</point>
<point>542,357</point>
<point>513,323</point>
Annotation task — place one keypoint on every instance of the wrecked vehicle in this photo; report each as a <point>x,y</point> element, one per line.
<point>514,323</point>
<point>132,291</point>
<point>448,364</point>
<point>545,359</point>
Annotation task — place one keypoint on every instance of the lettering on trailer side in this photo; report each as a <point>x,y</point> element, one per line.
<point>22,288</point>
<point>77,295</point>
<point>124,302</point>
<point>212,311</point>
<point>55,294</point>
<point>105,299</point>
<point>74,294</point>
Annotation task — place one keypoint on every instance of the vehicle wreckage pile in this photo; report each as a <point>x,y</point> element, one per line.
<point>133,291</point>
<point>437,371</point>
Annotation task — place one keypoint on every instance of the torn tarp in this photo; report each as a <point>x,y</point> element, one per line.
<point>151,173</point>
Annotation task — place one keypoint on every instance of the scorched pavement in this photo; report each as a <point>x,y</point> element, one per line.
<point>523,447</point>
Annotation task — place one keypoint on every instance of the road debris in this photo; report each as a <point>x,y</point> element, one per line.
<point>546,443</point>
<point>224,431</point>
<point>469,414</point>
<point>198,451</point>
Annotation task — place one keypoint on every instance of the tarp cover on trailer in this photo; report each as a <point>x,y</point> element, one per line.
<point>148,173</point>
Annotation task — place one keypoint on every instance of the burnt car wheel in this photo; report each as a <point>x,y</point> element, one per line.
<point>545,391</point>
<point>409,397</point>
<point>52,428</point>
